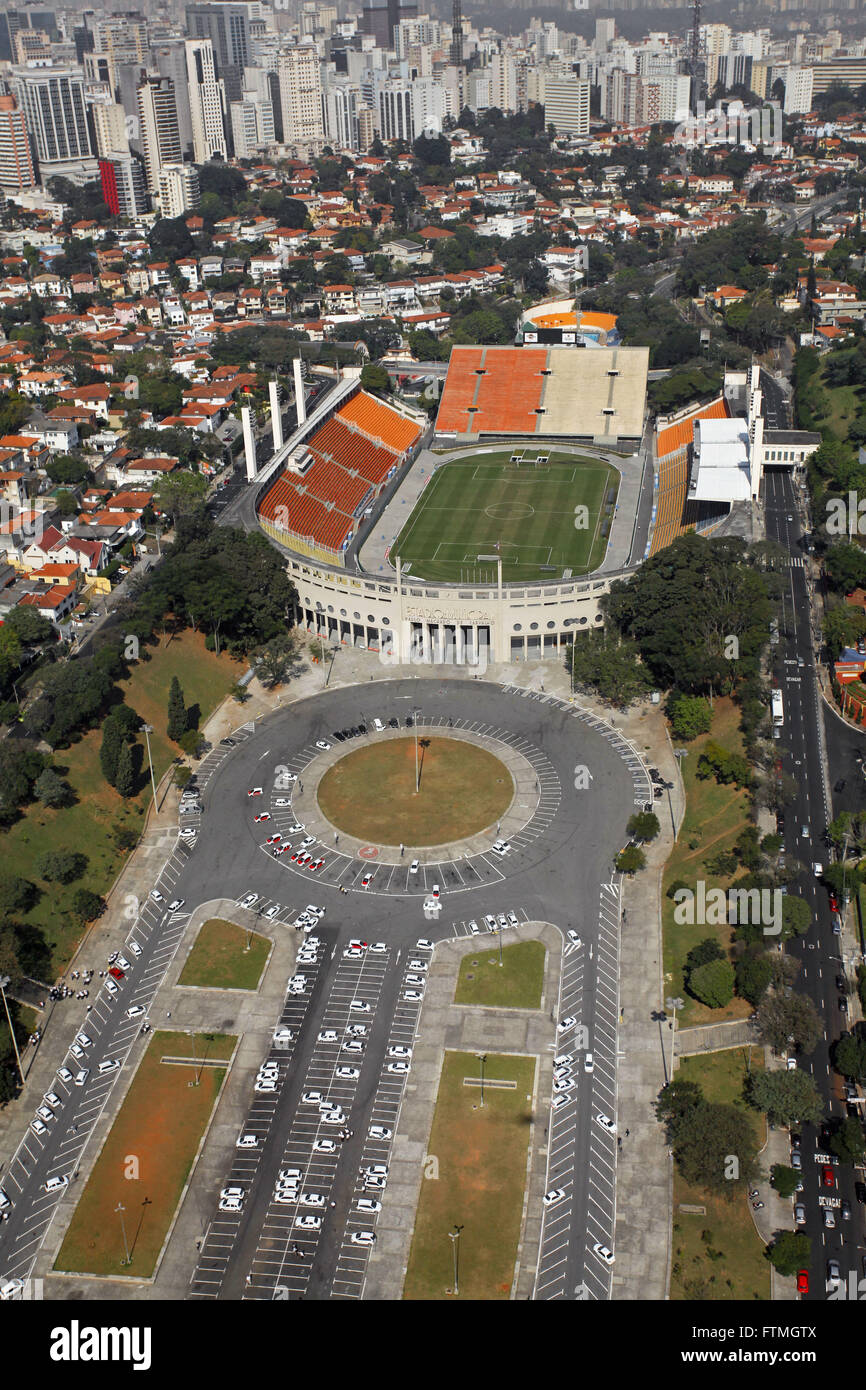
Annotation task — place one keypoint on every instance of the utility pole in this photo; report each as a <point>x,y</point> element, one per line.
<point>482,1058</point>
<point>147,729</point>
<point>454,1237</point>
<point>4,985</point>
<point>120,1209</point>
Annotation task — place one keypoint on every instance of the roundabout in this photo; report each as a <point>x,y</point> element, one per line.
<point>419,794</point>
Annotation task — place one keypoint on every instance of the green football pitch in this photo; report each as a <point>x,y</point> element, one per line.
<point>543,519</point>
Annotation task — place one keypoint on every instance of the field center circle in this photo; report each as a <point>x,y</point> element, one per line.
<point>371,794</point>
<point>509,511</point>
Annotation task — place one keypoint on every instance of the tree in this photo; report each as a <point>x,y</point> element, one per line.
<point>786,1097</point>
<point>276,662</point>
<point>432,150</point>
<point>706,1141</point>
<point>375,378</point>
<point>51,789</point>
<point>643,825</point>
<point>16,895</point>
<point>754,971</point>
<point>784,1180</point>
<point>849,1056</point>
<point>790,1252</point>
<point>62,866</point>
<point>847,1142</point>
<point>785,1020</point>
<point>690,715</point>
<point>630,860</point>
<point>125,776</point>
<point>179,493</point>
<point>192,741</point>
<point>126,837</point>
<point>713,983</point>
<point>178,720</point>
<point>86,906</point>
<point>28,625</point>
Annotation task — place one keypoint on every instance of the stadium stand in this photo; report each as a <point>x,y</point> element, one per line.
<point>674,513</point>
<point>596,394</point>
<point>346,463</point>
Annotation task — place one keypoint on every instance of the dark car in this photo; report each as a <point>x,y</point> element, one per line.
<point>840,785</point>
<point>840,983</point>
<point>393,723</point>
<point>409,721</point>
<point>843,1005</point>
<point>860,1192</point>
<point>338,735</point>
<point>362,728</point>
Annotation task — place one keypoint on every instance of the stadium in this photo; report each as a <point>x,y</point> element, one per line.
<point>490,534</point>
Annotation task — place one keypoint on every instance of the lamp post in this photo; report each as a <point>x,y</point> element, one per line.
<point>147,730</point>
<point>120,1209</point>
<point>415,713</point>
<point>482,1057</point>
<point>4,985</point>
<point>454,1237</point>
<point>673,1004</point>
<point>197,1077</point>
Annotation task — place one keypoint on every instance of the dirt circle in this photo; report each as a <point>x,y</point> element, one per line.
<point>370,793</point>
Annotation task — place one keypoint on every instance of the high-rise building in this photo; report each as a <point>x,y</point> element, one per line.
<point>566,105</point>
<point>122,179</point>
<point>301,95</point>
<point>170,60</point>
<point>798,90</point>
<point>110,128</point>
<point>32,46</point>
<point>206,99</point>
<point>605,33</point>
<point>252,123</point>
<point>54,112</point>
<point>178,189</point>
<point>124,36</point>
<point>13,21</point>
<point>228,25</point>
<point>17,173</point>
<point>674,91</point>
<point>159,133</point>
<point>380,17</point>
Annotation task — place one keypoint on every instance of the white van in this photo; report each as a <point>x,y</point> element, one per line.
<point>378,726</point>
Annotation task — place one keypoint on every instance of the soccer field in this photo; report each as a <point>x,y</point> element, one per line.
<point>543,519</point>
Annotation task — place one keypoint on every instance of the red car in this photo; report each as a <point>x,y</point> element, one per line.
<point>828,1177</point>
<point>803,1281</point>
<point>116,973</point>
<point>834,906</point>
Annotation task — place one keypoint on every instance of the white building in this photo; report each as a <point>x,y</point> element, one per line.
<point>252,122</point>
<point>52,100</point>
<point>566,105</point>
<point>798,91</point>
<point>206,101</point>
<point>179,190</point>
<point>158,127</point>
<point>301,95</point>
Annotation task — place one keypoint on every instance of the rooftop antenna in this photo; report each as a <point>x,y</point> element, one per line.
<point>457,34</point>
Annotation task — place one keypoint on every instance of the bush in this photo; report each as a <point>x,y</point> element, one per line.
<point>630,860</point>
<point>713,983</point>
<point>61,866</point>
<point>86,906</point>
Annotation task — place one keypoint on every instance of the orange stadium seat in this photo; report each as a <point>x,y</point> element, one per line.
<point>379,420</point>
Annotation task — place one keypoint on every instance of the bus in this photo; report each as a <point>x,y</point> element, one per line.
<point>778,710</point>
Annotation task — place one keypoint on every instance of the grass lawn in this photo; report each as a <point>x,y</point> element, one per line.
<point>370,793</point>
<point>481,1157</point>
<point>846,403</point>
<point>146,1159</point>
<point>485,505</point>
<point>718,1255</point>
<point>219,958</point>
<point>87,826</point>
<point>715,817</point>
<point>516,985</point>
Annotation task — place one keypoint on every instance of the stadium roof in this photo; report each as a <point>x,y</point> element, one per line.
<point>721,462</point>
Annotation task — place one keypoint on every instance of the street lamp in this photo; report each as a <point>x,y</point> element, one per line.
<point>4,985</point>
<point>415,713</point>
<point>195,1082</point>
<point>454,1237</point>
<point>147,730</point>
<point>673,1004</point>
<point>120,1209</point>
<point>482,1057</point>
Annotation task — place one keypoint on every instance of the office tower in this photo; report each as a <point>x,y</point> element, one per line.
<point>122,179</point>
<point>366,127</point>
<point>178,189</point>
<point>13,21</point>
<point>99,69</point>
<point>52,100</point>
<point>673,96</point>
<point>798,90</point>
<point>158,128</point>
<point>17,173</point>
<point>228,26</point>
<point>380,17</point>
<point>340,101</point>
<point>252,125</point>
<point>566,105</point>
<point>32,46</point>
<point>205,102</point>
<point>124,36</point>
<point>110,128</point>
<point>301,95</point>
<point>170,60</point>
<point>605,33</point>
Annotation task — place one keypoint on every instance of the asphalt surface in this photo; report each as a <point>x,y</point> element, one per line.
<point>818,952</point>
<point>556,876</point>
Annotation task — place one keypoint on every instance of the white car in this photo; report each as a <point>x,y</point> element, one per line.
<point>574,938</point>
<point>413,867</point>
<point>52,1098</point>
<point>176,904</point>
<point>286,1196</point>
<point>791,1064</point>
<point>188,833</point>
<point>501,849</point>
<point>556,1194</point>
<point>156,895</point>
<point>423,944</point>
<point>412,996</point>
<point>135,1011</point>
<point>334,1117</point>
<point>381,1132</point>
<point>308,1222</point>
<point>249,899</point>
<point>265,1085</point>
<point>135,948</point>
<point>417,964</point>
<point>358,1006</point>
<point>247,1141</point>
<point>328,1035</point>
<point>562,1084</point>
<point>65,1075</point>
<point>272,912</point>
<point>323,744</point>
<point>353,1045</point>
<point>123,963</point>
<point>559,1100</point>
<point>283,1034</point>
<point>283,800</point>
<point>399,1051</point>
<point>366,880</point>
<point>415,980</point>
<point>603,1253</point>
<point>490,922</point>
<point>378,946</point>
<point>563,1060</point>
<point>503,921</point>
<point>312,1098</point>
<point>566,1024</point>
<point>111,987</point>
<point>589,1064</point>
<point>325,1146</point>
<point>398,1068</point>
<point>363,1237</point>
<point>314,911</point>
<point>77,1052</point>
<point>606,1123</point>
<point>38,1127</point>
<point>513,920</point>
<point>231,1204</point>
<point>105,1067</point>
<point>369,1204</point>
<point>474,928</point>
<point>347,1073</point>
<point>313,1199</point>
<point>12,1290</point>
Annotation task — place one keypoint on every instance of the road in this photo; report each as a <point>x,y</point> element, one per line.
<point>556,872</point>
<point>818,952</point>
